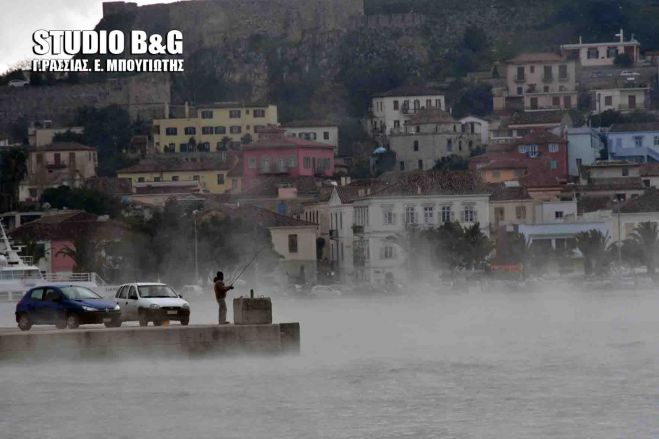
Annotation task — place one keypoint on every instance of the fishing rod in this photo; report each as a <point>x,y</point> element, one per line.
<point>251,261</point>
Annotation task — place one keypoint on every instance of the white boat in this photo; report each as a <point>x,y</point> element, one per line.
<point>18,273</point>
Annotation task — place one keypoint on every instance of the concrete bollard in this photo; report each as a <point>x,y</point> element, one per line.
<point>250,311</point>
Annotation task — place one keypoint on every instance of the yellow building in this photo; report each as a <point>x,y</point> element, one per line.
<point>204,127</point>
<point>215,175</point>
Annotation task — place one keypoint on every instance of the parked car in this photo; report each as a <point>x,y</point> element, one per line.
<point>17,83</point>
<point>324,291</point>
<point>65,306</point>
<point>629,73</point>
<point>151,302</point>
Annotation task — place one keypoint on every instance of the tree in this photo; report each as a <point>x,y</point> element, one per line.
<point>13,168</point>
<point>475,39</point>
<point>645,240</point>
<point>87,254</point>
<point>623,60</point>
<point>512,248</point>
<point>92,201</point>
<point>593,246</point>
<point>246,139</point>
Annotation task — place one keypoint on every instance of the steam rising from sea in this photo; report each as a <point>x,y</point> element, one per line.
<point>480,364</point>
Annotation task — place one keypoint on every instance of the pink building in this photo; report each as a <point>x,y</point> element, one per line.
<point>275,153</point>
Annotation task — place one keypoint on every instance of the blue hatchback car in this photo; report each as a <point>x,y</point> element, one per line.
<point>65,306</point>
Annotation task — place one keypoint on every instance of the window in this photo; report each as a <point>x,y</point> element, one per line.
<point>593,53</point>
<point>388,252</point>
<point>401,165</point>
<point>389,218</point>
<point>195,178</point>
<point>190,131</point>
<point>469,214</point>
<point>265,164</point>
<point>520,212</point>
<point>556,101</point>
<point>545,89</point>
<point>567,101</point>
<point>37,294</point>
<point>39,158</point>
<point>234,114</point>
<point>251,163</point>
<point>611,52</point>
<point>608,101</point>
<point>520,74</point>
<point>416,145</point>
<point>499,214</point>
<point>326,135</point>
<point>171,131</point>
<point>183,147</point>
<point>235,129</point>
<point>496,174</point>
<point>395,105</point>
<point>520,91</point>
<point>579,163</point>
<point>122,292</point>
<point>140,179</point>
<point>438,103</point>
<point>449,145</point>
<point>207,114</point>
<point>410,215</point>
<point>547,73</point>
<point>534,103</point>
<point>420,165</point>
<point>175,178</point>
<point>220,179</point>
<point>446,214</point>
<point>292,243</point>
<point>396,123</point>
<point>532,69</point>
<point>156,179</point>
<point>631,101</point>
<point>259,112</point>
<point>132,293</point>
<point>207,130</point>
<point>33,193</point>
<point>417,104</point>
<point>428,215</point>
<point>562,72</point>
<point>558,214</point>
<point>638,141</point>
<point>307,163</point>
<point>656,140</point>
<point>220,130</point>
<point>553,147</point>
<point>625,172</point>
<point>361,216</point>
<point>553,164</point>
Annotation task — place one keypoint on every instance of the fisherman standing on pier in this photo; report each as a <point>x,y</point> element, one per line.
<point>220,295</point>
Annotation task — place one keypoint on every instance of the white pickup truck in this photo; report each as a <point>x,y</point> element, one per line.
<point>151,302</point>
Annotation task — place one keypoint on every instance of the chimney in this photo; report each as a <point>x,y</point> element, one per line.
<point>187,110</point>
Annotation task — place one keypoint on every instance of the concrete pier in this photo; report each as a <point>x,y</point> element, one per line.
<point>150,342</point>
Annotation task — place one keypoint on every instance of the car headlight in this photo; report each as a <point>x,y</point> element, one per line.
<point>185,306</point>
<point>88,308</point>
<point>154,306</point>
<point>117,308</point>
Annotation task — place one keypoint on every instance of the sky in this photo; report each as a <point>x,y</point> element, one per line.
<point>20,18</point>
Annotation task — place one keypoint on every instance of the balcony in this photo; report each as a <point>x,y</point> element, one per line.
<point>521,78</point>
<point>333,234</point>
<point>357,229</point>
<point>563,78</point>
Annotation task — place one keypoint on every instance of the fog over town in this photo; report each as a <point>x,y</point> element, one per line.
<point>337,219</point>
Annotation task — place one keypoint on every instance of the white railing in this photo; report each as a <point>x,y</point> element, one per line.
<point>75,277</point>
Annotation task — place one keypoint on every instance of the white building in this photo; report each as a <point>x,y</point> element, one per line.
<point>390,110</point>
<point>584,148</point>
<point>623,99</point>
<point>415,200</point>
<point>602,54</point>
<point>478,126</point>
<point>316,130</point>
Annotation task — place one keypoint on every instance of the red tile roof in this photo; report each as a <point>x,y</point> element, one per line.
<point>501,192</point>
<point>433,183</point>
<point>650,170</point>
<point>430,115</point>
<point>536,57</point>
<point>410,90</point>
<point>70,225</point>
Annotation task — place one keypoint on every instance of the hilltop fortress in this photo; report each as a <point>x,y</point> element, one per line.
<point>207,23</point>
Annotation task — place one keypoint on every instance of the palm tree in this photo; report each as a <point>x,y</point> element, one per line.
<point>593,246</point>
<point>645,239</point>
<point>477,246</point>
<point>87,255</point>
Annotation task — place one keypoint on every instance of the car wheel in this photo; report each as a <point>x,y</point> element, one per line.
<point>72,321</point>
<point>185,322</point>
<point>144,321</point>
<point>113,324</point>
<point>24,322</point>
<point>157,323</point>
<point>60,323</point>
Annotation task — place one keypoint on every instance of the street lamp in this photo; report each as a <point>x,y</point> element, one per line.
<point>196,247</point>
